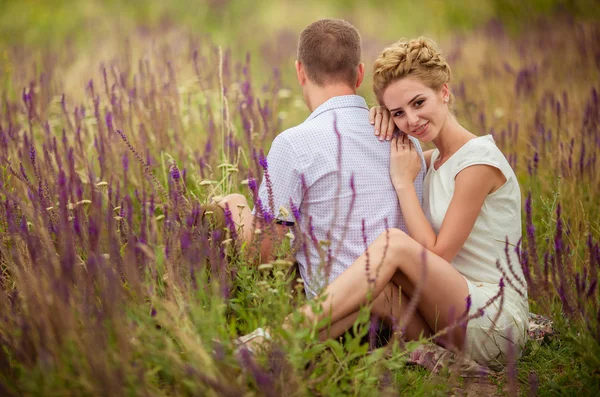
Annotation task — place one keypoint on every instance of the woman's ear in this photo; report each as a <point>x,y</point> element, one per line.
<point>445,91</point>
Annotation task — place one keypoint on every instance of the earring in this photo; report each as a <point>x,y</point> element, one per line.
<point>446,99</point>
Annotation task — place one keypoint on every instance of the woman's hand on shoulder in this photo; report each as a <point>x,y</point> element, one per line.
<point>405,162</point>
<point>382,121</point>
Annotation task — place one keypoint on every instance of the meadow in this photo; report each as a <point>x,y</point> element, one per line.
<point>119,122</point>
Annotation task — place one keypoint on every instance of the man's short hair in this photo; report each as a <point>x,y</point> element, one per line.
<point>330,51</point>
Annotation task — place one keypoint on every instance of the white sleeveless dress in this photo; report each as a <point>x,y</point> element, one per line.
<point>491,336</point>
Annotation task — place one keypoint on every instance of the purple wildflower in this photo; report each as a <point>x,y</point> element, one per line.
<point>125,162</point>
<point>262,160</point>
<point>32,154</point>
<point>230,223</point>
<point>108,118</point>
<point>295,211</point>
<point>268,216</point>
<point>252,185</point>
<point>365,241</point>
<point>185,241</point>
<point>174,172</point>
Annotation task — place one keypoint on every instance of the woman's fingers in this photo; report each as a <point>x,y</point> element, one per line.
<point>372,113</point>
<point>386,131</point>
<point>404,140</point>
<point>375,118</point>
<point>391,125</point>
<point>400,142</point>
<point>378,118</point>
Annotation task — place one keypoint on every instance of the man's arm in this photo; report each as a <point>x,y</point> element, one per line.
<point>281,186</point>
<point>270,235</point>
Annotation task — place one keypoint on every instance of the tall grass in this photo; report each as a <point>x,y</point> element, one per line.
<point>115,280</point>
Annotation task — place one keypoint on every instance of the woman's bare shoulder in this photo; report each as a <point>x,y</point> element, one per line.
<point>427,156</point>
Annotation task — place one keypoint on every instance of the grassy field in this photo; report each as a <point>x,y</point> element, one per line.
<point>119,120</point>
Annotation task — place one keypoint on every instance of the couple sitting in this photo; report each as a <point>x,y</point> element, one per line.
<point>455,210</point>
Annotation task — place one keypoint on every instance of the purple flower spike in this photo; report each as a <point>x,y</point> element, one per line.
<point>125,162</point>
<point>295,211</point>
<point>268,216</point>
<point>252,184</point>
<point>262,160</point>
<point>174,171</point>
<point>230,223</point>
<point>109,122</point>
<point>32,154</point>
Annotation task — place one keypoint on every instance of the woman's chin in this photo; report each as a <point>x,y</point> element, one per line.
<point>423,138</point>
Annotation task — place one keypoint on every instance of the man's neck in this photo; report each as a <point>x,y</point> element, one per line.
<point>320,95</point>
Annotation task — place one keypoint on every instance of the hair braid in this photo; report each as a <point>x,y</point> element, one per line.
<point>420,58</point>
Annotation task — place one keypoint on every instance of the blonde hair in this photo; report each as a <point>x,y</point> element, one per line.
<point>420,58</point>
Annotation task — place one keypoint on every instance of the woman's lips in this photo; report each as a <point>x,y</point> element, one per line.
<point>421,130</point>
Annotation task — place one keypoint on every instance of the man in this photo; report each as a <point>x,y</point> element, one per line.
<point>329,173</point>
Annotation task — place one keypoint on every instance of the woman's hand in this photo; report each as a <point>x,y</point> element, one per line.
<point>382,121</point>
<point>405,162</point>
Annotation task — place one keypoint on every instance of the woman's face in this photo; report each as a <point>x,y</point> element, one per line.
<point>416,109</point>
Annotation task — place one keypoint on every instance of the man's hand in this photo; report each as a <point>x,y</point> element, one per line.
<point>242,216</point>
<point>233,200</point>
<point>382,121</point>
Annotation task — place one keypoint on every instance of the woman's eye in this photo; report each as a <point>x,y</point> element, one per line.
<point>419,103</point>
<point>398,113</point>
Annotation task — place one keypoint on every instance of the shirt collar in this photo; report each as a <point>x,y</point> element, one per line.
<point>338,102</point>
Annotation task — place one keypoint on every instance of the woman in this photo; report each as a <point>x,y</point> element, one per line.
<point>462,236</point>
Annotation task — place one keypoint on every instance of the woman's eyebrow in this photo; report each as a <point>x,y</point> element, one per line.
<point>409,102</point>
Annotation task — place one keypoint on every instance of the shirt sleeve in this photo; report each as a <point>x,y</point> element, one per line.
<point>480,154</point>
<point>280,192</point>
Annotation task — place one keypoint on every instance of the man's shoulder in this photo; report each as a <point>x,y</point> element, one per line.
<point>300,136</point>
<point>292,132</point>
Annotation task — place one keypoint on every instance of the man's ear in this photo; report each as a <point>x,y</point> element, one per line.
<point>300,73</point>
<point>360,75</point>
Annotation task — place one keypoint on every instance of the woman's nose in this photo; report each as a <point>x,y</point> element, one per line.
<point>413,119</point>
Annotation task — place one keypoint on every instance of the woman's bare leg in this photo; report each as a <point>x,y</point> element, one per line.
<point>390,306</point>
<point>443,291</point>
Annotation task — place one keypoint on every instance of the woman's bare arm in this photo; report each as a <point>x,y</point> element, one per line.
<point>473,184</point>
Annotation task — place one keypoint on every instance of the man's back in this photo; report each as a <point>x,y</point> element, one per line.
<point>339,179</point>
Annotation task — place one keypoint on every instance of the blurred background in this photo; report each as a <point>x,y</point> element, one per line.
<point>95,30</point>
<point>42,22</point>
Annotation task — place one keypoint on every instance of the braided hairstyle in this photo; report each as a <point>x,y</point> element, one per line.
<point>420,58</point>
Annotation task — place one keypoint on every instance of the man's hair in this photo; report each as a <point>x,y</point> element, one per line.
<point>330,51</point>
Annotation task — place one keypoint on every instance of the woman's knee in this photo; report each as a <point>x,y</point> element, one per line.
<point>396,241</point>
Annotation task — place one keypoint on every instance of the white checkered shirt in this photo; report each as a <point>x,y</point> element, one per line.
<point>333,210</point>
